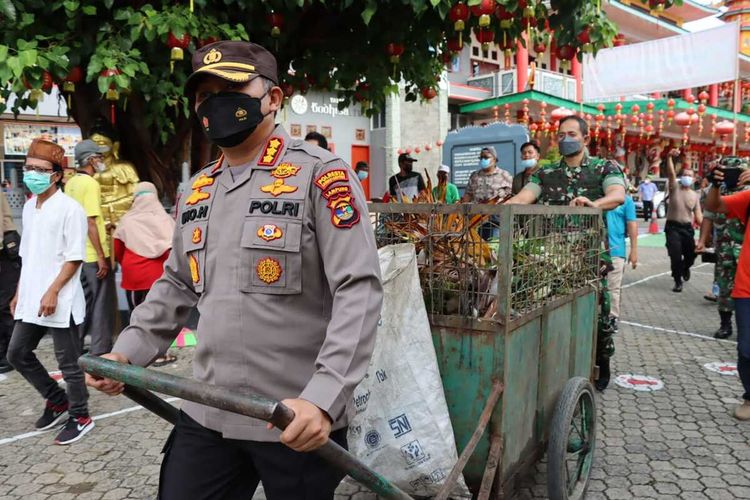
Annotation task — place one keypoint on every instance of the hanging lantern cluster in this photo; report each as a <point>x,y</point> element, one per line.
<point>661,121</point>
<point>458,15</point>
<point>634,118</point>
<point>394,51</point>
<point>543,116</point>
<point>618,114</point>
<point>419,147</point>
<point>649,128</point>
<point>670,111</point>
<point>507,114</point>
<point>525,111</point>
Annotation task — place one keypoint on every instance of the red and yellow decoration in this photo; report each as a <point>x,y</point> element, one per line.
<point>285,170</point>
<point>271,152</point>
<point>177,46</point>
<point>277,188</point>
<point>197,235</point>
<point>197,195</point>
<point>268,270</point>
<point>270,232</point>
<point>331,177</point>
<point>343,213</point>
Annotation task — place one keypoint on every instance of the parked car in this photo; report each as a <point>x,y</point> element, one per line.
<point>660,203</point>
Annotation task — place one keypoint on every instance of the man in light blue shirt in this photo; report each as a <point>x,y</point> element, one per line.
<point>621,222</point>
<point>647,190</point>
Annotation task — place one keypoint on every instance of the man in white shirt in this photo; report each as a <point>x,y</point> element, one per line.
<point>50,297</point>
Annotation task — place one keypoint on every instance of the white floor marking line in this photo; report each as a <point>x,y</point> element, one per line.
<point>19,437</point>
<point>649,278</point>
<point>678,332</point>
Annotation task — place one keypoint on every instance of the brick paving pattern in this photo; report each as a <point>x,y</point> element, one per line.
<point>677,443</point>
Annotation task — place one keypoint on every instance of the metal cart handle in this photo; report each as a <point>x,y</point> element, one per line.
<point>139,381</point>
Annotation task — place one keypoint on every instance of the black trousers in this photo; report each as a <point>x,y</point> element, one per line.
<point>680,247</point>
<point>200,464</point>
<point>10,271</point>
<point>648,208</point>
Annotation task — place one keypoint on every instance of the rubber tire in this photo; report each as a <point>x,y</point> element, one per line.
<point>661,211</point>
<point>558,442</point>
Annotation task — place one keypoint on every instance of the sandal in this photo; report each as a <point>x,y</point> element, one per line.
<point>165,360</point>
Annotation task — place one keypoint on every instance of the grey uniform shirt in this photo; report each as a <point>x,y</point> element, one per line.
<point>282,264</point>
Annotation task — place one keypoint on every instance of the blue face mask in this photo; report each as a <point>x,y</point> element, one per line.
<point>362,175</point>
<point>485,163</point>
<point>37,182</point>
<point>686,181</point>
<point>531,163</point>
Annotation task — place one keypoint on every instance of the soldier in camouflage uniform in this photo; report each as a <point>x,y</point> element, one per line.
<point>729,236</point>
<point>584,181</point>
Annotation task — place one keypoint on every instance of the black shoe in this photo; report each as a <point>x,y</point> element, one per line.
<point>677,287</point>
<point>604,373</point>
<point>74,429</point>
<point>52,416</point>
<point>723,332</point>
<point>686,275</point>
<point>5,367</point>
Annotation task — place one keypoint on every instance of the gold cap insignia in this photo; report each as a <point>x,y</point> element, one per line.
<point>212,57</point>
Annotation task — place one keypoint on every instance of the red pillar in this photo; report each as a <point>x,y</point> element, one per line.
<point>713,95</point>
<point>575,69</point>
<point>686,93</point>
<point>522,66</point>
<point>552,58</point>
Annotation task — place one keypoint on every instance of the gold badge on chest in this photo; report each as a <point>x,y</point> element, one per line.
<point>277,188</point>
<point>268,270</point>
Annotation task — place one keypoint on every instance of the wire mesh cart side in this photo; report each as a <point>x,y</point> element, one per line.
<point>512,297</point>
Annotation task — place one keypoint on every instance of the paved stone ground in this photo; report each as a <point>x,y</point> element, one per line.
<point>680,442</point>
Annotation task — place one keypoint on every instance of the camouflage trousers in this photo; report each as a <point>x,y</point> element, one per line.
<point>605,343</point>
<point>724,271</point>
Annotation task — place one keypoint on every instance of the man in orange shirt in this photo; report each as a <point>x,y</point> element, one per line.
<point>738,206</point>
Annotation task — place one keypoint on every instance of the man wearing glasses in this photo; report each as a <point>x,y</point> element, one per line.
<point>49,298</point>
<point>580,180</point>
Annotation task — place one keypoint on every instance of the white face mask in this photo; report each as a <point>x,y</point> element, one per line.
<point>100,166</point>
<point>686,180</point>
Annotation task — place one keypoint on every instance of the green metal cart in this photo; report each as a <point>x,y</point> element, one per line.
<point>512,297</point>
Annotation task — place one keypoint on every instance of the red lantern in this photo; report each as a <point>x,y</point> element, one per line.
<point>619,40</point>
<point>429,93</point>
<point>690,99</point>
<point>439,143</point>
<point>505,17</point>
<point>417,150</point>
<point>485,37</point>
<point>540,47</point>
<point>178,46</point>
<point>703,96</point>
<point>454,45</point>
<point>565,53</point>
<point>560,113</point>
<point>483,11</point>
<point>682,119</point>
<point>701,109</point>
<point>276,21</point>
<point>75,75</point>
<point>394,51</point>
<point>207,41</point>
<point>458,15</point>
<point>584,37</point>
<point>428,147</point>
<point>724,127</point>
<point>657,5</point>
<point>113,95</point>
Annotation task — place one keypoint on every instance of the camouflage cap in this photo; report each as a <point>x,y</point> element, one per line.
<point>735,161</point>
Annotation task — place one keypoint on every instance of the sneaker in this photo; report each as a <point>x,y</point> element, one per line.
<point>52,416</point>
<point>742,412</point>
<point>74,430</point>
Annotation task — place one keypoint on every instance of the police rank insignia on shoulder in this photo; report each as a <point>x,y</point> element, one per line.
<point>278,188</point>
<point>271,152</point>
<point>269,232</point>
<point>285,170</point>
<point>194,272</point>
<point>268,270</point>
<point>343,214</point>
<point>197,195</point>
<point>326,179</point>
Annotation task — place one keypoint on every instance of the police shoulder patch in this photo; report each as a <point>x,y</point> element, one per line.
<point>344,214</point>
<point>330,177</point>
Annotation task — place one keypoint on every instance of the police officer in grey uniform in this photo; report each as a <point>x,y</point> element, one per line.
<point>274,246</point>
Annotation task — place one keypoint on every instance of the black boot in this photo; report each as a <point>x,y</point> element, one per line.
<point>603,381</point>
<point>725,330</point>
<point>677,286</point>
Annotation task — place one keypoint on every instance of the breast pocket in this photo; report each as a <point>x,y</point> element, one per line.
<point>194,244</point>
<point>271,260</point>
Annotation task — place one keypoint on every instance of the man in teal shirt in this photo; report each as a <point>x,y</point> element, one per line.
<point>621,223</point>
<point>445,192</point>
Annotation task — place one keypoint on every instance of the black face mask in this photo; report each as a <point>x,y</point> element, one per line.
<point>228,118</point>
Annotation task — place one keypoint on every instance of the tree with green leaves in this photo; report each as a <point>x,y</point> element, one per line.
<point>128,60</point>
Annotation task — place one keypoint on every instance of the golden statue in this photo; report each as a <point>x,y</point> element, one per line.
<point>117,181</point>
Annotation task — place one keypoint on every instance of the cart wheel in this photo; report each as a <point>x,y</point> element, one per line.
<point>572,441</point>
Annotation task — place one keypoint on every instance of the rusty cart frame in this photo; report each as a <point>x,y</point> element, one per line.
<point>516,372</point>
